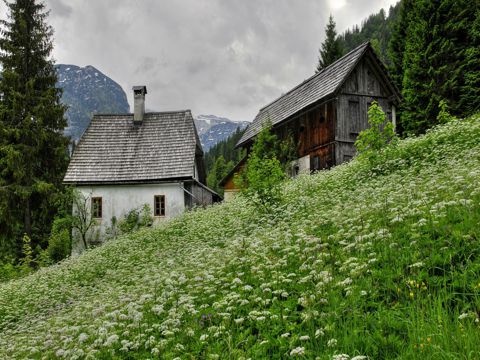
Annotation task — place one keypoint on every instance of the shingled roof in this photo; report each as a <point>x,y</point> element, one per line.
<point>114,150</point>
<point>317,87</point>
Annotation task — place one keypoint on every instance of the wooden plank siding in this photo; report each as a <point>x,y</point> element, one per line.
<point>362,87</point>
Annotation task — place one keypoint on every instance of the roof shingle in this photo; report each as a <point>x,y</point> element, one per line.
<point>113,149</point>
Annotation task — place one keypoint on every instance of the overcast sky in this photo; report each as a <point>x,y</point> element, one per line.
<point>222,57</point>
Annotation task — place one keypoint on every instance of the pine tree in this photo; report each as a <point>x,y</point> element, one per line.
<point>470,92</point>
<point>436,62</point>
<point>33,151</point>
<point>331,48</point>
<point>396,45</point>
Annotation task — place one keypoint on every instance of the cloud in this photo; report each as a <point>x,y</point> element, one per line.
<point>227,58</point>
<point>59,8</point>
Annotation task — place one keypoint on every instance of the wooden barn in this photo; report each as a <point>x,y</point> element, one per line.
<point>326,112</point>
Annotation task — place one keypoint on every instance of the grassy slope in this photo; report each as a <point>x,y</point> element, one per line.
<point>378,260</point>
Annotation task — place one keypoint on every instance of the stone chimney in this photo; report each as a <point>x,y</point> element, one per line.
<point>139,104</point>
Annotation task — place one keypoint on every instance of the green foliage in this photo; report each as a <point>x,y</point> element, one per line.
<point>217,173</point>
<point>135,219</point>
<point>379,260</point>
<point>33,151</point>
<point>331,49</point>
<point>444,115</point>
<point>377,29</point>
<point>26,262</point>
<point>263,172</point>
<point>60,242</point>
<point>378,135</point>
<point>437,64</point>
<point>221,159</point>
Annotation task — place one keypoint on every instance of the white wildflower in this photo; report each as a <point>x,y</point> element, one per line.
<point>341,357</point>
<point>239,320</point>
<point>82,337</point>
<point>304,338</point>
<point>112,339</point>
<point>332,343</point>
<point>298,351</point>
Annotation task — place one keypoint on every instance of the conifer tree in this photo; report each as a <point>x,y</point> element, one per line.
<point>33,150</point>
<point>396,45</point>
<point>331,49</point>
<point>436,61</point>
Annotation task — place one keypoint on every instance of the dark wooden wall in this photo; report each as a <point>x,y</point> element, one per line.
<point>313,132</point>
<point>363,86</point>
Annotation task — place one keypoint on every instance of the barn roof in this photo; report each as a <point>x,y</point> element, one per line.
<point>319,86</point>
<point>114,150</point>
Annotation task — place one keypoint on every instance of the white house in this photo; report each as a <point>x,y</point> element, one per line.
<point>125,161</point>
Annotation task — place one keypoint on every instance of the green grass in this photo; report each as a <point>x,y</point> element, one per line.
<point>376,258</point>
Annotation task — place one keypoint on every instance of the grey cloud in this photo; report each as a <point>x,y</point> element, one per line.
<point>59,8</point>
<point>223,57</point>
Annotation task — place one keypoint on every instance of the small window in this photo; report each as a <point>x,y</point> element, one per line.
<point>97,207</point>
<point>159,205</point>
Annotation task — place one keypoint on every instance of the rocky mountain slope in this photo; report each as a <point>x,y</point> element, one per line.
<point>213,129</point>
<point>86,91</point>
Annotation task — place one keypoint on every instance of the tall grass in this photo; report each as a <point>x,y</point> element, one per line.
<point>375,259</point>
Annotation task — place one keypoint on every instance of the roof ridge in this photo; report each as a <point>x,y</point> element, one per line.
<point>315,75</point>
<point>147,113</point>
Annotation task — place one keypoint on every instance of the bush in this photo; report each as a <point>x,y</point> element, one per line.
<point>378,135</point>
<point>263,171</point>
<point>60,241</point>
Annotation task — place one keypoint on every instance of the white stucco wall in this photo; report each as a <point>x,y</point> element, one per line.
<point>118,200</point>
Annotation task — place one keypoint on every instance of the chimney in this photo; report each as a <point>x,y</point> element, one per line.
<point>139,103</point>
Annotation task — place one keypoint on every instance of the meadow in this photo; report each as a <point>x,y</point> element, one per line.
<point>375,259</point>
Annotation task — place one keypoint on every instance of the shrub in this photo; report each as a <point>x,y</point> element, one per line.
<point>263,171</point>
<point>378,135</point>
<point>60,242</point>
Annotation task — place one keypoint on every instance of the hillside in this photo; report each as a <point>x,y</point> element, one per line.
<point>377,260</point>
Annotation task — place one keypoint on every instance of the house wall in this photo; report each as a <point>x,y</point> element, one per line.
<point>362,87</point>
<point>313,132</point>
<point>118,200</point>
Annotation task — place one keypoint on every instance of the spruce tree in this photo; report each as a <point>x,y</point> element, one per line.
<point>396,45</point>
<point>33,150</point>
<point>470,92</point>
<point>331,49</point>
<point>438,63</point>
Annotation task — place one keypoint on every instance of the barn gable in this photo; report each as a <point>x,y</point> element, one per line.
<point>341,76</point>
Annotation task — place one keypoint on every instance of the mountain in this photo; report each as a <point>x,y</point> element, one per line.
<point>86,90</point>
<point>375,259</point>
<point>213,129</point>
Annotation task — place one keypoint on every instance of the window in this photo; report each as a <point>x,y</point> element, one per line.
<point>159,205</point>
<point>97,207</point>
<point>354,118</point>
